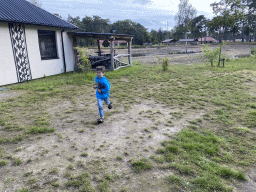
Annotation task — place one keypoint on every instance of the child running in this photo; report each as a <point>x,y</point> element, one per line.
<point>102,92</point>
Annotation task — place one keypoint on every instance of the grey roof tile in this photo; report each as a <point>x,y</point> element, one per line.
<point>21,11</point>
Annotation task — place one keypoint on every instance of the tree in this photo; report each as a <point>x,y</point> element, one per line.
<point>185,14</point>
<point>100,25</point>
<point>228,14</point>
<point>132,28</point>
<point>36,2</point>
<point>75,20</point>
<point>154,37</point>
<point>198,26</point>
<point>180,32</point>
<point>58,15</point>
<point>93,24</point>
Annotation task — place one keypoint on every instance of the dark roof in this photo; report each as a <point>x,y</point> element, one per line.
<point>168,40</point>
<point>102,35</point>
<point>21,11</point>
<point>188,40</point>
<point>207,39</point>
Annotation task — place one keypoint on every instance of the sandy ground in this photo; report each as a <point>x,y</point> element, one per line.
<point>175,53</point>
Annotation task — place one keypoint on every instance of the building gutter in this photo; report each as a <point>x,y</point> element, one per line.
<point>63,52</point>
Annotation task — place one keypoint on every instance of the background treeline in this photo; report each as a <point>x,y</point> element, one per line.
<point>234,19</point>
<point>98,25</point>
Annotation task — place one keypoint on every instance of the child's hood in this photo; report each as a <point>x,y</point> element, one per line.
<point>102,79</point>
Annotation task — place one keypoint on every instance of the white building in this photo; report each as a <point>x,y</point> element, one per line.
<point>33,43</point>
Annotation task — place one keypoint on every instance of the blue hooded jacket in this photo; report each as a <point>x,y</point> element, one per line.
<point>106,87</point>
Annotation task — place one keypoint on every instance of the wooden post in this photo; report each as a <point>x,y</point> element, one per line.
<point>129,51</point>
<point>75,53</point>
<point>99,52</point>
<point>112,53</point>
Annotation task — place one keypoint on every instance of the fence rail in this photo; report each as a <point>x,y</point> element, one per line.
<point>118,63</point>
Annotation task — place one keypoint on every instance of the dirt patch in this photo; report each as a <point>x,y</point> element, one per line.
<point>176,53</point>
<point>7,94</point>
<point>250,184</point>
<point>78,141</point>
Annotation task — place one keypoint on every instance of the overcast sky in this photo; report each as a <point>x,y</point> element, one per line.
<point>152,14</point>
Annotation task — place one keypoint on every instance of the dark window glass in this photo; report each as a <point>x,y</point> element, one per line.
<point>47,44</point>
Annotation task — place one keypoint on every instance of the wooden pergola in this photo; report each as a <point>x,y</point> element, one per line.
<point>116,63</point>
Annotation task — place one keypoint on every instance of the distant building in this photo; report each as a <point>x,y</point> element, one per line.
<point>117,42</point>
<point>148,44</point>
<point>191,41</point>
<point>207,40</point>
<point>169,41</point>
<point>240,40</point>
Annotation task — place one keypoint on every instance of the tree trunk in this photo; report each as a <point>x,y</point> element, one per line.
<point>225,34</point>
<point>219,36</point>
<point>254,32</point>
<point>234,37</point>
<point>243,32</point>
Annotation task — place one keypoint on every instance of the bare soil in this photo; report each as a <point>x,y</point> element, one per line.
<point>176,53</point>
<point>128,133</point>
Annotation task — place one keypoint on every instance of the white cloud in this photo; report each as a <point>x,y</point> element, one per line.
<point>143,2</point>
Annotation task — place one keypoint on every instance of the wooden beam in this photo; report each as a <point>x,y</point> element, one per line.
<point>112,53</point>
<point>130,52</point>
<point>99,52</point>
<point>75,53</point>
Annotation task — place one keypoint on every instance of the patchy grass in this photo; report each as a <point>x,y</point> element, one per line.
<point>141,165</point>
<point>212,153</point>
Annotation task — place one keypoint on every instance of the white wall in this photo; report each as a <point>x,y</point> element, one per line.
<point>39,68</point>
<point>69,52</point>
<point>8,73</point>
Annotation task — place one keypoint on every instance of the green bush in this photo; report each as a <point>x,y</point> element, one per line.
<point>24,190</point>
<point>141,165</point>
<point>210,54</point>
<point>139,46</point>
<point>85,64</point>
<point>165,64</point>
<point>253,50</point>
<point>44,129</point>
<point>3,163</point>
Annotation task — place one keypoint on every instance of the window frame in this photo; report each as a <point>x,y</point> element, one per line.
<point>52,35</point>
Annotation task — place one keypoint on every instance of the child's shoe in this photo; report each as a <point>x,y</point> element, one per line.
<point>110,106</point>
<point>100,120</point>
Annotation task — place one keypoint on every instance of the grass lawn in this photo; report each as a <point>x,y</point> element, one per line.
<point>212,151</point>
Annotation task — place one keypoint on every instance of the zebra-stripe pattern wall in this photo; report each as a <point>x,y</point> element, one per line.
<point>20,53</point>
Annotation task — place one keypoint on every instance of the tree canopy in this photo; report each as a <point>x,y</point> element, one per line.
<point>98,25</point>
<point>186,13</point>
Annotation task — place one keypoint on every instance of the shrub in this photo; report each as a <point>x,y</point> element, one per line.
<point>44,129</point>
<point>165,64</point>
<point>24,190</point>
<point>3,163</point>
<point>210,54</point>
<point>85,64</point>
<point>174,179</point>
<point>253,50</point>
<point>141,165</point>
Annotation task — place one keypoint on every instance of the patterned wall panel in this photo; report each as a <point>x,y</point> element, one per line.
<point>20,54</point>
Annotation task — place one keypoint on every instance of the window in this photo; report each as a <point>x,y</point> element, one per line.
<point>47,44</point>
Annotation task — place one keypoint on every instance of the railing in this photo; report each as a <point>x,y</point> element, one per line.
<point>119,61</point>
